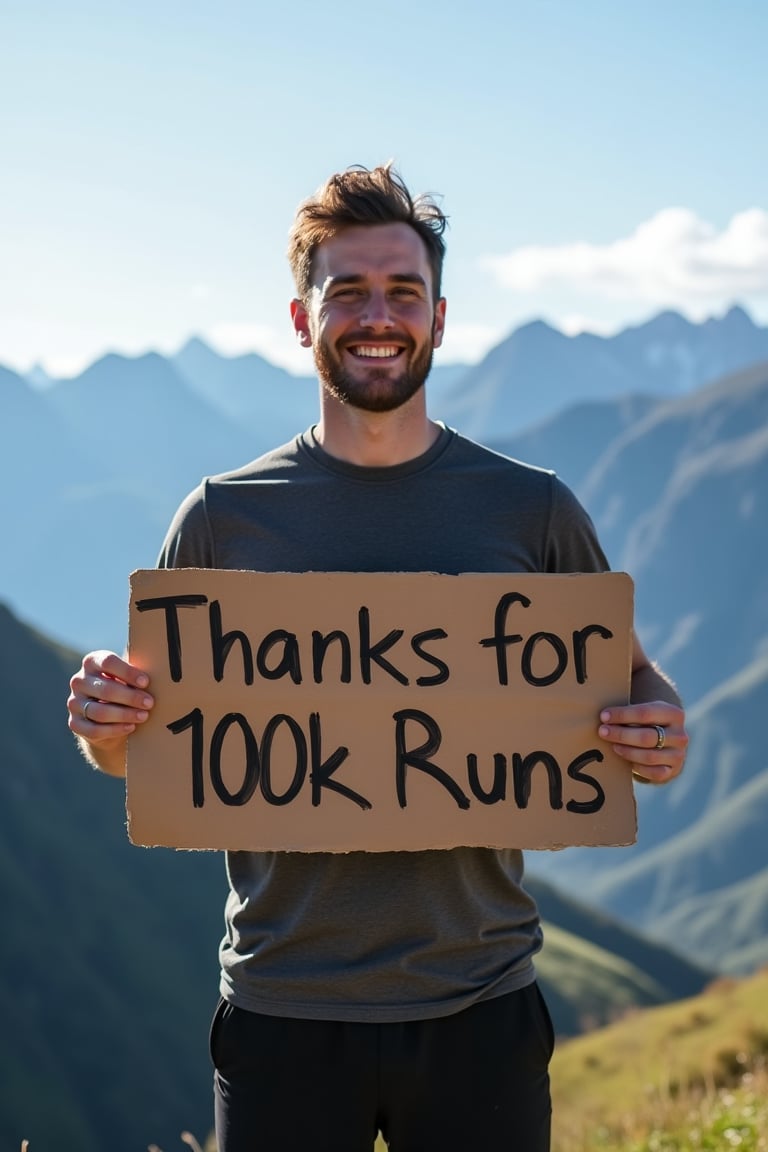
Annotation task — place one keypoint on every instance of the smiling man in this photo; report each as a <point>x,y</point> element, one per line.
<point>391,991</point>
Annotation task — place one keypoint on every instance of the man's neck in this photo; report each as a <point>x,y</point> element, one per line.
<point>375,439</point>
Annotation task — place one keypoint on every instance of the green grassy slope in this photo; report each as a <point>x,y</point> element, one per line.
<point>687,1072</point>
<point>108,970</point>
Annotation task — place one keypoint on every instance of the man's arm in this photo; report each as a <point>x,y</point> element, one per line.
<point>108,699</point>
<point>649,732</point>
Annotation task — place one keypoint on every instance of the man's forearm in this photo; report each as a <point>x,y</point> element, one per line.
<point>650,683</point>
<point>109,759</point>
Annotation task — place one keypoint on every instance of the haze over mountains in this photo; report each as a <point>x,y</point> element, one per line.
<point>662,431</point>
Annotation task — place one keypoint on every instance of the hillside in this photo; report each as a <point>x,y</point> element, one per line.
<point>690,1072</point>
<point>100,941</point>
<point>107,944</point>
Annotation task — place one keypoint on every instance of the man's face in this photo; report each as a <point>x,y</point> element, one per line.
<point>371,319</point>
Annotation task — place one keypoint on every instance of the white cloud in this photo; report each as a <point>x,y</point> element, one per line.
<point>673,258</point>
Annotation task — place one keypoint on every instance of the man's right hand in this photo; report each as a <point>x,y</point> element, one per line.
<point>108,699</point>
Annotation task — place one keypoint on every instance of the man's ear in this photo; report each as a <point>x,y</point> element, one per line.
<point>300,318</point>
<point>438,325</point>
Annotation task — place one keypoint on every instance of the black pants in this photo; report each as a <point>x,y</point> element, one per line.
<point>476,1081</point>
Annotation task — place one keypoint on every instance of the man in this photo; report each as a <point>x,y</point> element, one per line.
<point>391,991</point>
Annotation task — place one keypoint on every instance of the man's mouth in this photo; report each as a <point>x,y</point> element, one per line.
<point>374,351</point>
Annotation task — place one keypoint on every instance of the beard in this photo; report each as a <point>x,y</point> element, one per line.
<point>377,389</point>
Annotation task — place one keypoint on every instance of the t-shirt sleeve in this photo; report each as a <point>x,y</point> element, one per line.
<point>189,541</point>
<point>572,544</point>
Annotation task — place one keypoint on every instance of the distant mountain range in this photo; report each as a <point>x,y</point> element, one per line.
<point>537,371</point>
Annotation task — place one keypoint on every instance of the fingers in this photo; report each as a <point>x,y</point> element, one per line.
<point>108,698</point>
<point>651,737</point>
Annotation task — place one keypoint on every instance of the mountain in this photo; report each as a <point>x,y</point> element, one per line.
<point>593,968</point>
<point>571,441</point>
<point>271,402</point>
<point>54,493</point>
<point>102,461</point>
<point>537,371</point>
<point>104,1004</point>
<point>148,429</point>
<point>38,377</point>
<point>680,500</point>
<point>108,966</point>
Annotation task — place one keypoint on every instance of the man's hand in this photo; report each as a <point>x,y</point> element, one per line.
<point>108,699</point>
<point>651,736</point>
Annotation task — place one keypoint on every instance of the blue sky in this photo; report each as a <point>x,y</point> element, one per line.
<point>598,161</point>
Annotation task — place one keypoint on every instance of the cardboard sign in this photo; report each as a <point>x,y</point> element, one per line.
<point>388,711</point>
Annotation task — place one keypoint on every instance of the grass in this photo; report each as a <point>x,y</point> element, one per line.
<point>693,1121</point>
<point>687,1077</point>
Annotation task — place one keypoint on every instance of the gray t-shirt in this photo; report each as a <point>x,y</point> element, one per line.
<point>376,936</point>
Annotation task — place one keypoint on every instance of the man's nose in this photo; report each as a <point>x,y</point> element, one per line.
<point>376,311</point>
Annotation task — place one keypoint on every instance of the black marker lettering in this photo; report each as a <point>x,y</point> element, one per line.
<point>580,638</point>
<point>373,653</point>
<point>417,757</point>
<point>300,772</point>
<point>289,664</point>
<point>498,788</point>
<point>321,644</point>
<point>169,604</point>
<point>222,642</point>
<point>323,770</point>
<point>443,671</point>
<point>251,774</point>
<point>522,770</point>
<point>500,640</point>
<point>526,666</point>
<point>586,807</point>
<point>193,720</point>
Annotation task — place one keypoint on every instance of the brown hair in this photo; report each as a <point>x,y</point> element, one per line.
<point>363,196</point>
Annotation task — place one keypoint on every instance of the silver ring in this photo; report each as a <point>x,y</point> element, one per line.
<point>660,735</point>
<point>85,710</point>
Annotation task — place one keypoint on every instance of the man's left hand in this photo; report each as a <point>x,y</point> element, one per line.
<point>650,736</point>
